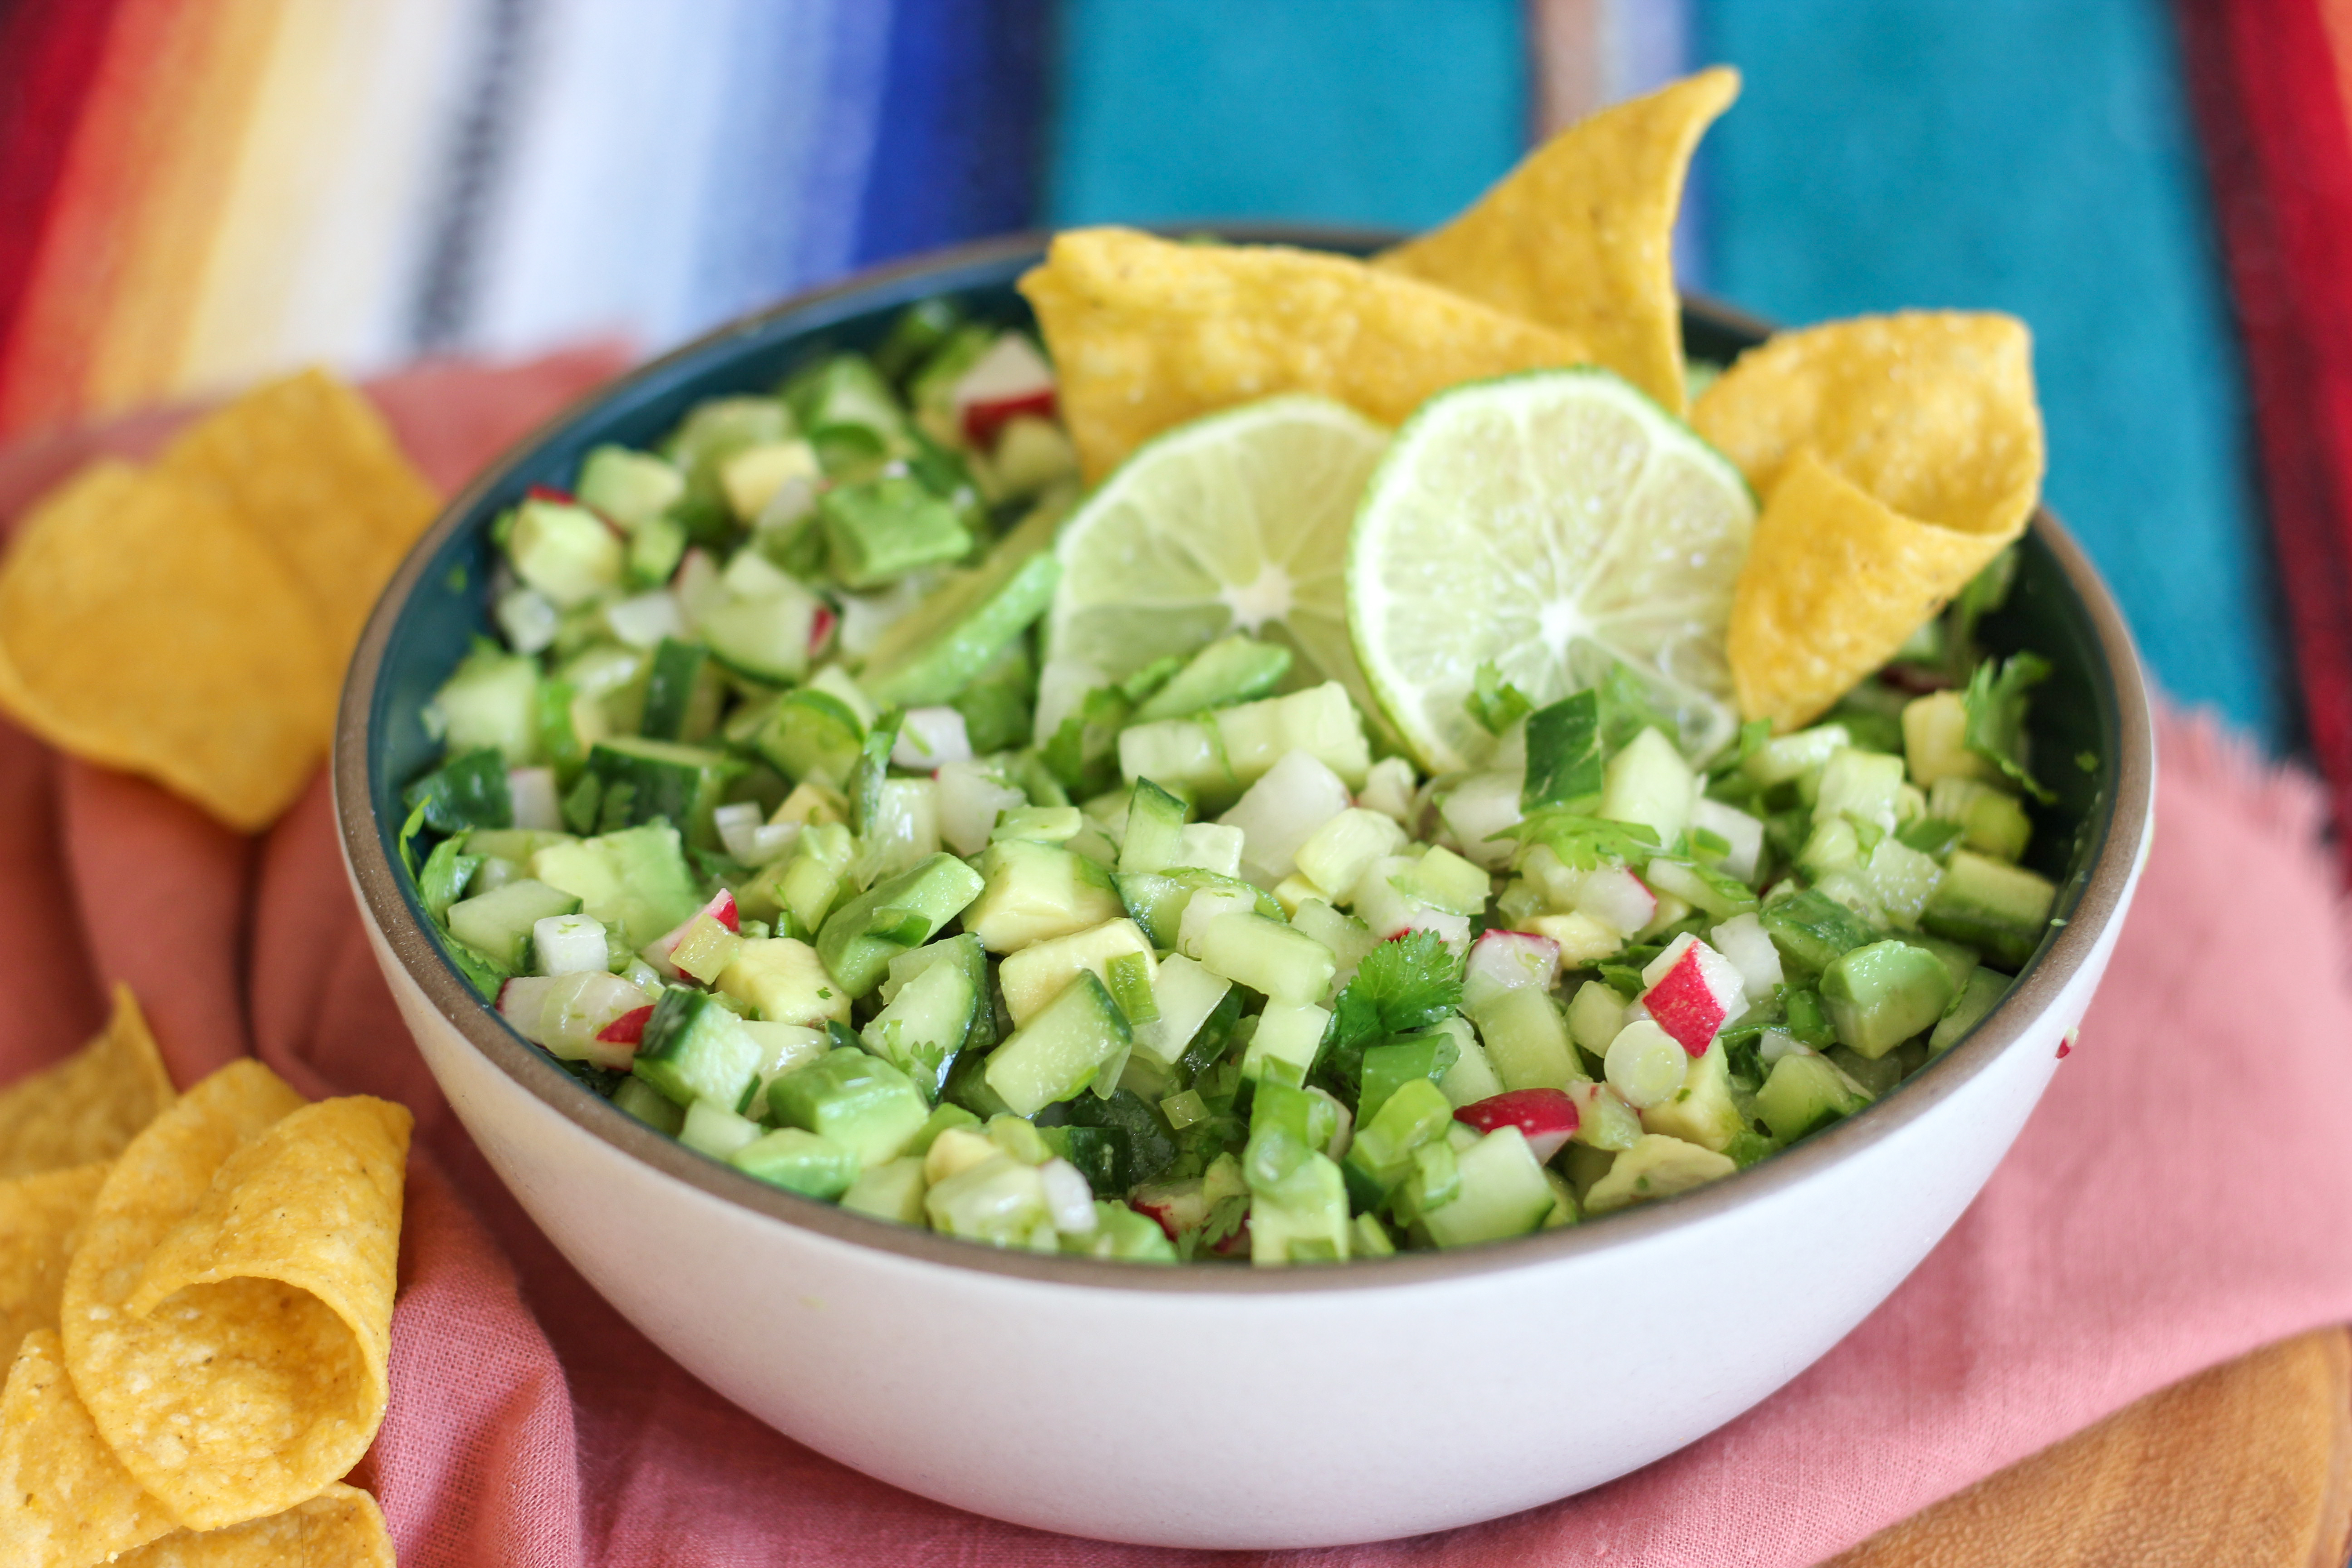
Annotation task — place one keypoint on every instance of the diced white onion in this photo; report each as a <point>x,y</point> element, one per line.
<point>750,839</point>
<point>644,619</point>
<point>1067,1197</point>
<point>1774,1044</point>
<point>1743,940</point>
<point>535,805</point>
<point>696,584</point>
<point>929,739</point>
<point>529,618</point>
<point>1282,810</point>
<point>971,798</point>
<point>569,944</point>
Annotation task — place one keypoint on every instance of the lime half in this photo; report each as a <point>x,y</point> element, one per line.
<point>1237,522</point>
<point>1550,523</point>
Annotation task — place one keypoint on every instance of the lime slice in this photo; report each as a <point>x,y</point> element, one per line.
<point>1550,523</point>
<point>1236,521</point>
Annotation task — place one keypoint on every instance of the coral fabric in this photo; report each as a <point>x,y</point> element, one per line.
<point>2179,1198</point>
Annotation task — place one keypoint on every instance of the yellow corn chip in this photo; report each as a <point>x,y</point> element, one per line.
<point>1933,412</point>
<point>339,1528</point>
<point>310,464</point>
<point>145,627</point>
<point>65,1502</point>
<point>1147,334</point>
<point>89,1105</point>
<point>40,1224</point>
<point>227,1318</point>
<point>1835,581</point>
<point>1581,236</point>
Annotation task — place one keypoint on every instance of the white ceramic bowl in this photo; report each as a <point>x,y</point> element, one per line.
<point>1217,1406</point>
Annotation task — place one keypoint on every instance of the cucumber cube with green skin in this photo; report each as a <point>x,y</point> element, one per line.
<point>801,1161</point>
<point>963,951</point>
<point>892,1190</point>
<point>1528,1041</point>
<point>1656,1167</point>
<point>1381,1150</point>
<point>1155,822</point>
<point>1979,994</point>
<point>1389,1067</point>
<point>1233,668</point>
<point>467,790</point>
<point>1502,1192</point>
<point>1214,760</point>
<point>765,637</point>
<point>1999,908</point>
<point>634,882</point>
<point>878,529</point>
<point>1096,1152</point>
<point>1268,956</point>
<point>1880,995</point>
<point>1649,782</point>
<point>716,1130</point>
<point>1472,1078</point>
<point>1991,821</point>
<point>1185,995</point>
<point>654,550</point>
<point>1804,1093</point>
<point>1786,758</point>
<point>846,389</point>
<point>1035,974</point>
<point>812,734</point>
<point>497,924</point>
<point>1308,1223</point>
<point>565,551</point>
<point>924,1025</point>
<point>640,781</point>
<point>859,940</point>
<point>860,1101</point>
<point>671,684</point>
<point>694,1048</point>
<point>1145,1148</point>
<point>491,701</point>
<point>649,1105</point>
<point>969,623</point>
<point>1158,899</point>
<point>1055,1056</point>
<point>1000,1201</point>
<point>1034,892</point>
<point>1443,880</point>
<point>1813,929</point>
<point>631,488</point>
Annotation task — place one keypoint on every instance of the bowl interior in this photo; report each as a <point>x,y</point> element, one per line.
<point>2088,720</point>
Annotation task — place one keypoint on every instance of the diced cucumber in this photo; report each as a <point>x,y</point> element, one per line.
<point>1233,668</point>
<point>1864,786</point>
<point>1804,1093</point>
<point>1901,881</point>
<point>716,1130</point>
<point>497,924</point>
<point>694,1048</point>
<point>1472,1078</point>
<point>1213,762</point>
<point>1335,857</point>
<point>967,624</point>
<point>673,681</point>
<point>999,1201</point>
<point>878,529</point>
<point>1813,929</point>
<point>799,1161</point>
<point>1979,994</point>
<point>631,782</point>
<point>1656,1167</point>
<point>1991,821</point>
<point>766,636</point>
<point>634,882</point>
<point>812,735</point>
<point>629,486</point>
<point>799,890</point>
<point>1999,908</point>
<point>1035,974</point>
<point>1415,1114</point>
<point>515,844</point>
<point>649,1105</point>
<point>752,478</point>
<point>1155,822</point>
<point>1308,1223</point>
<point>1649,783</point>
<point>1288,1035</point>
<point>1526,1040</point>
<point>1033,892</point>
<point>1958,960</point>
<point>492,700</point>
<point>845,389</point>
<point>1268,956</point>
<point>1935,741</point>
<point>1503,1190</point>
<point>1056,1055</point>
<point>859,1101</point>
<point>465,792</point>
<point>565,551</point>
<point>1882,994</point>
<point>1788,757</point>
<point>964,952</point>
<point>1444,882</point>
<point>859,940</point>
<point>892,1190</point>
<point>1386,1069</point>
<point>920,1030</point>
<point>1185,995</point>
<point>1702,1110</point>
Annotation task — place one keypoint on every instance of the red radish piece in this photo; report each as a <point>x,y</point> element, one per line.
<point>820,626</point>
<point>521,1000</point>
<point>1176,1207</point>
<point>721,907</point>
<point>1692,989</point>
<point>1617,898</point>
<point>1546,1116</point>
<point>1504,960</point>
<point>628,1029</point>
<point>549,492</point>
<point>1011,379</point>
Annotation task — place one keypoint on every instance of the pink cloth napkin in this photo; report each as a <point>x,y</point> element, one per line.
<point>2183,1194</point>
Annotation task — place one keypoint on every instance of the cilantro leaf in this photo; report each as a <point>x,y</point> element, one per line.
<point>1583,842</point>
<point>1995,703</point>
<point>1495,702</point>
<point>1564,759</point>
<point>1986,592</point>
<point>1402,985</point>
<point>873,767</point>
<point>1751,740</point>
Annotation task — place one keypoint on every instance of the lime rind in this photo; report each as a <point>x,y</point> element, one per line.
<point>1549,521</point>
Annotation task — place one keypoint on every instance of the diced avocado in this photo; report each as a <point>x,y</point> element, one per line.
<point>799,890</point>
<point>1805,1093</point>
<point>921,1029</point>
<point>892,1190</point>
<point>1999,908</point>
<point>846,389</point>
<point>1656,1167</point>
<point>1978,995</point>
<point>999,1201</point>
<point>1959,962</point>
<point>1502,1191</point>
<point>1234,668</point>
<point>636,781</point>
<point>785,982</point>
<point>1035,974</point>
<point>497,924</point>
<point>966,623</point>
<point>467,791</point>
<point>859,940</point>
<point>673,682</point>
<point>1880,995</point>
<point>878,529</point>
<point>1702,1111</point>
<point>565,551</point>
<point>858,1100</point>
<point>629,486</point>
<point>812,734</point>
<point>1036,891</point>
<point>801,1162</point>
<point>1812,930</point>
<point>1056,1052</point>
<point>1935,741</point>
<point>634,882</point>
<point>694,1048</point>
<point>492,700</point>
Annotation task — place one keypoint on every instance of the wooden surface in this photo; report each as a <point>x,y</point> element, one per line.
<point>2247,1466</point>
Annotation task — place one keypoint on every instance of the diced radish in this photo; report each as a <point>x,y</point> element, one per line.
<point>696,585</point>
<point>1616,898</point>
<point>820,626</point>
<point>1177,1206</point>
<point>1504,960</point>
<point>578,1010</point>
<point>1012,378</point>
<point>628,1028</point>
<point>1692,989</point>
<point>549,492</point>
<point>1742,939</point>
<point>521,1000</point>
<point>930,738</point>
<point>1547,1117</point>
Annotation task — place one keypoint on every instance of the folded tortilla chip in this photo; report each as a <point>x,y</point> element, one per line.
<point>65,1502</point>
<point>1580,236</point>
<point>145,625</point>
<point>339,1528</point>
<point>227,1317</point>
<point>1835,581</point>
<point>40,1224</point>
<point>1147,334</point>
<point>88,1106</point>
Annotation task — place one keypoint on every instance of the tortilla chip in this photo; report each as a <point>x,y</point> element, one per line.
<point>1580,236</point>
<point>145,627</point>
<point>65,1502</point>
<point>40,1224</point>
<point>90,1105</point>
<point>311,467</point>
<point>1933,412</point>
<point>1147,334</point>
<point>1835,581</point>
<point>339,1528</point>
<point>228,1316</point>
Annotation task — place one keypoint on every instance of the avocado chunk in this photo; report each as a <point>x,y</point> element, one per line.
<point>1880,995</point>
<point>880,529</point>
<point>859,1101</point>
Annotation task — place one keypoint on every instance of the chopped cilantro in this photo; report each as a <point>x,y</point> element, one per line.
<point>1495,703</point>
<point>1583,842</point>
<point>1751,739</point>
<point>1564,759</point>
<point>1402,985</point>
<point>1986,592</point>
<point>1995,703</point>
<point>2087,761</point>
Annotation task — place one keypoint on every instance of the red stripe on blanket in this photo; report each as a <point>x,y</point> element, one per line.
<point>50,52</point>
